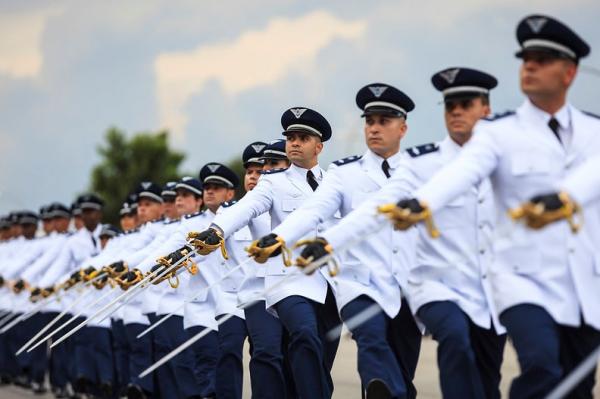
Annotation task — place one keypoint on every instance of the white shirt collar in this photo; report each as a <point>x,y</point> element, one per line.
<point>393,161</point>
<point>563,115</point>
<point>317,172</point>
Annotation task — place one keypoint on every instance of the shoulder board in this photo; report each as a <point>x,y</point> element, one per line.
<point>498,116</point>
<point>159,220</point>
<point>423,149</point>
<point>132,231</point>
<point>193,215</point>
<point>591,114</point>
<point>227,204</point>
<point>347,160</point>
<point>171,221</point>
<point>272,171</point>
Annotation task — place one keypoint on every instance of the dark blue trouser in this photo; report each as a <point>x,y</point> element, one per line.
<point>230,369</point>
<point>120,354</point>
<point>266,363</point>
<point>376,358</point>
<point>206,353</point>
<point>39,356</point>
<point>21,334</point>
<point>405,339</point>
<point>94,356</point>
<point>61,356</point>
<point>547,351</point>
<point>469,357</point>
<point>177,378</point>
<point>8,361</point>
<point>140,356</point>
<point>311,353</point>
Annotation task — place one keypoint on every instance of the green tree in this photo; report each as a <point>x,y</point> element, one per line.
<point>126,162</point>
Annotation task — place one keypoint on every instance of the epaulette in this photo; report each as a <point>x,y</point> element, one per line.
<point>272,171</point>
<point>193,215</point>
<point>159,220</point>
<point>498,116</point>
<point>132,231</point>
<point>423,149</point>
<point>591,114</point>
<point>347,160</point>
<point>170,221</point>
<point>227,204</point>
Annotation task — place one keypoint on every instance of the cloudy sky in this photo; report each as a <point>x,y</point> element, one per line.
<point>219,74</point>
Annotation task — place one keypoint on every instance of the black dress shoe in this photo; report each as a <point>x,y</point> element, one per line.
<point>377,389</point>
<point>135,392</point>
<point>105,390</point>
<point>38,388</point>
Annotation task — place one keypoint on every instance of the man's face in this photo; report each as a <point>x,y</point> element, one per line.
<point>61,225</point>
<point>276,164</point>
<point>77,222</point>
<point>461,115</point>
<point>251,176</point>
<point>186,202</point>
<point>128,222</point>
<point>48,225</point>
<point>383,133</point>
<point>149,210</point>
<point>214,195</point>
<point>302,147</point>
<point>91,218</point>
<point>546,75</point>
<point>169,208</point>
<point>29,230</point>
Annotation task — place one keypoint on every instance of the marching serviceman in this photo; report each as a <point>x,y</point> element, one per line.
<point>306,304</point>
<point>374,271</point>
<point>544,282</point>
<point>168,195</point>
<point>268,372</point>
<point>78,247</point>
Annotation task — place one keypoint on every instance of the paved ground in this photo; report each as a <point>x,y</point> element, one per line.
<point>346,378</point>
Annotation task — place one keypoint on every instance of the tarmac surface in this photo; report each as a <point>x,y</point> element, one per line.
<point>345,377</point>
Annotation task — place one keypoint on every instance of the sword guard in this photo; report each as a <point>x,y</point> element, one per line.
<point>535,215</point>
<point>404,218</point>
<point>322,245</point>
<point>208,241</point>
<point>130,278</point>
<point>262,253</point>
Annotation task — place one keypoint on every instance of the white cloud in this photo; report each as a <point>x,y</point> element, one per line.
<point>20,41</point>
<point>255,58</point>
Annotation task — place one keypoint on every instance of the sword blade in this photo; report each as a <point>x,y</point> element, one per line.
<point>131,291</point>
<point>182,347</point>
<point>194,296</point>
<point>27,315</point>
<point>354,321</point>
<point>52,322</point>
<point>72,319</point>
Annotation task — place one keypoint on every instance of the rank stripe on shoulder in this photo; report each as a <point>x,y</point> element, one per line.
<point>498,116</point>
<point>193,215</point>
<point>347,160</point>
<point>227,204</point>
<point>423,149</point>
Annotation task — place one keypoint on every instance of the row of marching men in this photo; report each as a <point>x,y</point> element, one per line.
<point>456,264</point>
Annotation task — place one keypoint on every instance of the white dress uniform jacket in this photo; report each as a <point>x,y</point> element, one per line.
<point>377,266</point>
<point>278,192</point>
<point>583,184</point>
<point>551,267</point>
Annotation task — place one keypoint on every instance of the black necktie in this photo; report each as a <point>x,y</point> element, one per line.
<point>312,182</point>
<point>554,125</point>
<point>386,168</point>
<point>94,241</point>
